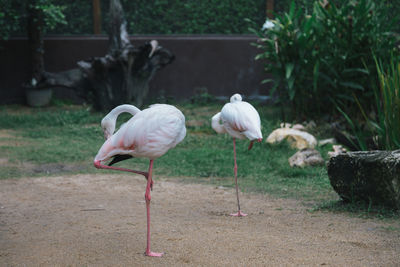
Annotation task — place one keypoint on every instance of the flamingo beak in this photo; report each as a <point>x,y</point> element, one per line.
<point>97,164</point>
<point>250,145</point>
<point>252,142</point>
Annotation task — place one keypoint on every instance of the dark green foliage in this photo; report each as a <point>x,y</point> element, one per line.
<point>380,121</point>
<point>152,17</point>
<point>14,15</point>
<point>324,58</point>
<point>9,18</point>
<point>186,17</point>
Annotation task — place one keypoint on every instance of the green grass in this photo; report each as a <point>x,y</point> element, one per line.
<point>71,135</point>
<point>358,209</point>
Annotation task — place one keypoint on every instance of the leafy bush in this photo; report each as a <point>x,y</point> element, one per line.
<point>186,17</point>
<point>320,60</point>
<point>15,14</point>
<point>157,17</point>
<point>383,123</point>
<point>388,106</point>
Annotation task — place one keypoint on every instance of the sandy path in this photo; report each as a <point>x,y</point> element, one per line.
<point>88,220</point>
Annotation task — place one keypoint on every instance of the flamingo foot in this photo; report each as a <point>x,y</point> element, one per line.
<point>239,214</point>
<point>153,254</point>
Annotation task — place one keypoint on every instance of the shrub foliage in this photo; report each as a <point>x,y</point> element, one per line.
<point>324,59</point>
<point>151,17</point>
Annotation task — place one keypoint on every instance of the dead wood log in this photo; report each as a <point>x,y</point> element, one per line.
<point>121,76</point>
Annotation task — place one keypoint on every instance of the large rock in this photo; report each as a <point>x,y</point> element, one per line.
<point>306,157</point>
<point>367,175</point>
<point>297,139</point>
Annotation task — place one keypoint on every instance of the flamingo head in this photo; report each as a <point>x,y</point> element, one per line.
<point>97,164</point>
<point>108,128</point>
<point>236,97</point>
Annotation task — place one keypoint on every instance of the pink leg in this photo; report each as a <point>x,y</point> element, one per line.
<point>98,165</point>
<point>239,213</point>
<point>147,197</point>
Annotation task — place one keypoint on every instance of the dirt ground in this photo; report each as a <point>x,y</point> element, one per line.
<point>99,220</point>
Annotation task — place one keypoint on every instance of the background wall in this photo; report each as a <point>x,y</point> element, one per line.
<point>220,64</point>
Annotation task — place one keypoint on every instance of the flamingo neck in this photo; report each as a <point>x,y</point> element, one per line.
<point>113,115</point>
<point>216,125</point>
<point>109,121</point>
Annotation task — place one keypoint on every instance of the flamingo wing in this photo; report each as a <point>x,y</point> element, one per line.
<point>241,120</point>
<point>150,133</point>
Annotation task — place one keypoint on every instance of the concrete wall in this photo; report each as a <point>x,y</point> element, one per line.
<point>221,64</point>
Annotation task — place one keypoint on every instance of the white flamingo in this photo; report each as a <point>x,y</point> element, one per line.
<point>150,133</point>
<point>109,121</point>
<point>240,120</point>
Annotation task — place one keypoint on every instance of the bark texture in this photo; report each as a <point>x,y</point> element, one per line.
<point>121,76</point>
<point>372,176</point>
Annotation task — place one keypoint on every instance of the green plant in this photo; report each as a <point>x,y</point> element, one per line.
<point>388,106</point>
<point>9,19</point>
<point>14,15</point>
<point>319,60</point>
<point>382,120</point>
<point>290,56</point>
<point>156,17</point>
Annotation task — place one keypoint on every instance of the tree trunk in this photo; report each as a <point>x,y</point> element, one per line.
<point>96,17</point>
<point>121,76</point>
<point>35,36</point>
<point>370,176</point>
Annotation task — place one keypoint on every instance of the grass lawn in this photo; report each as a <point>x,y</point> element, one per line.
<point>67,137</point>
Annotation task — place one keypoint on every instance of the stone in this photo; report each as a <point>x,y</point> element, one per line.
<point>327,141</point>
<point>306,157</point>
<point>297,126</point>
<point>297,139</point>
<point>370,176</point>
<point>337,149</point>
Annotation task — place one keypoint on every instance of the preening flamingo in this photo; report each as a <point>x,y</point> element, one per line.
<point>109,121</point>
<point>150,133</point>
<point>240,120</point>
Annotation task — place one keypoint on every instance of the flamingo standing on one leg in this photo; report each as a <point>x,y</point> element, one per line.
<point>149,133</point>
<point>240,120</point>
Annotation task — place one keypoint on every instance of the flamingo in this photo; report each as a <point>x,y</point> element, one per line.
<point>150,133</point>
<point>109,121</point>
<point>240,120</point>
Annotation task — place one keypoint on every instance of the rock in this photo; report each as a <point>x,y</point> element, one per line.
<point>306,157</point>
<point>371,176</point>
<point>326,141</point>
<point>297,139</point>
<point>310,125</point>
<point>296,126</point>
<point>337,149</point>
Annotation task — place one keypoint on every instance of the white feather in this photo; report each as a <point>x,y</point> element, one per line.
<point>239,119</point>
<point>150,133</point>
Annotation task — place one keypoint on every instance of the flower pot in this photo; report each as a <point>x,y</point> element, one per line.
<point>38,98</point>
